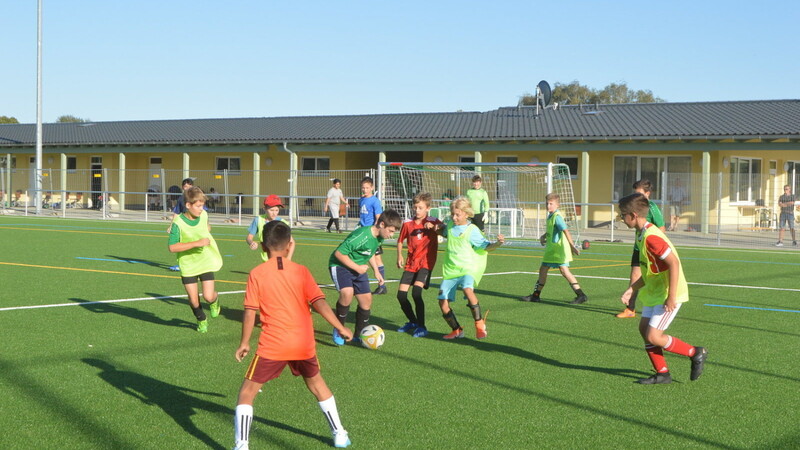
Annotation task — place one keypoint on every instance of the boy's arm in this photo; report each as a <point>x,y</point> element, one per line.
<point>575,250</point>
<point>674,265</point>
<point>635,286</point>
<point>400,261</point>
<point>183,246</point>
<point>373,262</point>
<point>349,263</point>
<point>251,242</point>
<point>322,308</point>
<point>500,241</point>
<point>248,322</point>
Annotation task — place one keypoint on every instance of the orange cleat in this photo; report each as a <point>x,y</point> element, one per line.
<point>626,314</point>
<point>457,333</point>
<point>480,329</point>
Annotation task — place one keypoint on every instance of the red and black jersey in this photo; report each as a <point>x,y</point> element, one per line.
<point>422,244</point>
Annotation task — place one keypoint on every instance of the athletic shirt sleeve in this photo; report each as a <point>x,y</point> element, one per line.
<point>657,246</point>
<point>253,227</point>
<point>251,293</point>
<point>174,234</point>
<point>560,224</point>
<point>311,289</point>
<point>477,239</point>
<point>404,231</point>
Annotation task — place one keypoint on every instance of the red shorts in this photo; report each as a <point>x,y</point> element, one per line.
<point>262,370</point>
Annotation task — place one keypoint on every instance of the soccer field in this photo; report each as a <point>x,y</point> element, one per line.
<point>100,351</point>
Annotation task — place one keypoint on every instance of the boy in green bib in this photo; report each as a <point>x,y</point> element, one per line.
<point>198,255</point>
<point>558,252</point>
<point>464,264</point>
<point>662,290</point>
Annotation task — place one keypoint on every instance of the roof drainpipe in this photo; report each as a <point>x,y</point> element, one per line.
<point>294,218</point>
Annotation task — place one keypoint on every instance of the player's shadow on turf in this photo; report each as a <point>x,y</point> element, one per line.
<point>180,403</point>
<point>133,313</point>
<point>521,353</point>
<point>141,261</point>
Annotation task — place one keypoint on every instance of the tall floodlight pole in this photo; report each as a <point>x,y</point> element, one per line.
<point>38,177</point>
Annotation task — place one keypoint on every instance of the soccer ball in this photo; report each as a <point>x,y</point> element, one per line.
<point>372,337</point>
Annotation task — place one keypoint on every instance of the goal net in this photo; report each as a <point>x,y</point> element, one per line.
<point>517,207</point>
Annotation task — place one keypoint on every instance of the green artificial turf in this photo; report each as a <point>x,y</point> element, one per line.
<point>135,374</point>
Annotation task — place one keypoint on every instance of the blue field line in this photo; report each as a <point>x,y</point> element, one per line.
<point>750,307</point>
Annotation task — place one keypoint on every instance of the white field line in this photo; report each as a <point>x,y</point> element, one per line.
<point>735,286</point>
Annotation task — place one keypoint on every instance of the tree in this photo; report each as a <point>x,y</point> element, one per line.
<point>575,93</point>
<point>6,119</point>
<point>71,119</point>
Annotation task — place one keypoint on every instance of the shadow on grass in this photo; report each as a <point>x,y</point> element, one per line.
<point>141,261</point>
<point>180,403</point>
<point>111,307</point>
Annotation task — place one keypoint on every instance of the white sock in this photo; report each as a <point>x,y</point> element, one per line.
<point>241,423</point>
<point>331,414</point>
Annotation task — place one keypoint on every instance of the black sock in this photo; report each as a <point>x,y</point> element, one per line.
<point>199,313</point>
<point>476,311</point>
<point>450,318</point>
<point>330,222</point>
<point>416,292</point>
<point>362,319</point>
<point>538,289</point>
<point>341,312</point>
<point>336,222</point>
<point>405,305</point>
<point>632,301</point>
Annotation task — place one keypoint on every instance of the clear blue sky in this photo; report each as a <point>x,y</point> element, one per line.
<point>178,59</point>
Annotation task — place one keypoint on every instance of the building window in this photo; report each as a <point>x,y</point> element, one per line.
<point>745,184</point>
<point>793,176</point>
<point>316,166</point>
<point>232,165</point>
<point>72,164</point>
<point>660,170</point>
<point>572,163</point>
<point>4,161</point>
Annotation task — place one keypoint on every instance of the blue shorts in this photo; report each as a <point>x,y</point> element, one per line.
<point>345,278</point>
<point>555,265</point>
<point>786,220</point>
<point>448,288</point>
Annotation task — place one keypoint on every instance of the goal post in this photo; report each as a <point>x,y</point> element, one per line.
<point>517,206</point>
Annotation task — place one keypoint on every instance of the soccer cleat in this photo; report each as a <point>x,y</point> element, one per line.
<point>420,332</point>
<point>457,333</point>
<point>214,307</point>
<point>340,439</point>
<point>779,244</point>
<point>409,326</point>
<point>337,338</point>
<point>534,297</point>
<point>480,329</point>
<point>242,446</point>
<point>202,326</point>
<point>579,299</point>
<point>175,268</point>
<point>794,243</point>
<point>380,290</point>
<point>699,358</point>
<point>627,314</point>
<point>659,378</point>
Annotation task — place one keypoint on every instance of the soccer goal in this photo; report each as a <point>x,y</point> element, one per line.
<point>516,191</point>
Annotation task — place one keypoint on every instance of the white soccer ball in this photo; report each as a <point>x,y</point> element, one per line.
<point>372,337</point>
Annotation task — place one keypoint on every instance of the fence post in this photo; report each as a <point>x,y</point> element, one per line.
<point>705,192</point>
<point>613,222</point>
<point>719,209</point>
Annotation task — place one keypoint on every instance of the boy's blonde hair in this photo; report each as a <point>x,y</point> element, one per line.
<point>194,194</point>
<point>462,204</point>
<point>423,197</point>
<point>553,196</point>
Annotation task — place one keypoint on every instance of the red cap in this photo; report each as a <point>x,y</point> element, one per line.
<point>272,200</point>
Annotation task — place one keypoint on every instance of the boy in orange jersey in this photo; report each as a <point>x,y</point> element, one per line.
<point>282,291</point>
<point>662,290</point>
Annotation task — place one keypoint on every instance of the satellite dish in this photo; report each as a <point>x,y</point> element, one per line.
<point>545,93</point>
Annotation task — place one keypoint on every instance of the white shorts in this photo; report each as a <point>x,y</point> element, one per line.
<point>660,319</point>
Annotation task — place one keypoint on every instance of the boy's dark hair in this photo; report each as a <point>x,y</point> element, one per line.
<point>423,197</point>
<point>368,180</point>
<point>643,184</point>
<point>336,180</point>
<point>276,236</point>
<point>389,218</point>
<point>477,178</point>
<point>188,181</point>
<point>636,202</point>
<point>193,194</point>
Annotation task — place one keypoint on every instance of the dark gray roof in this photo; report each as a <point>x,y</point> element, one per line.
<point>739,120</point>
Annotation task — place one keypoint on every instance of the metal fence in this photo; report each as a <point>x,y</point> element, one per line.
<point>731,211</point>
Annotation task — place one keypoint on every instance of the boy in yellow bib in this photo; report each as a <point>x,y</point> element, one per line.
<point>255,234</point>
<point>558,252</point>
<point>198,255</point>
<point>464,264</point>
<point>662,290</point>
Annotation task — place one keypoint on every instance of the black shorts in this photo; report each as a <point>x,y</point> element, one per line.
<point>411,277</point>
<point>379,251</point>
<point>208,276</point>
<point>635,258</point>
